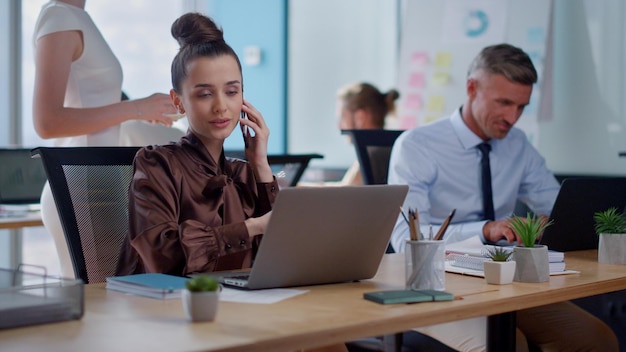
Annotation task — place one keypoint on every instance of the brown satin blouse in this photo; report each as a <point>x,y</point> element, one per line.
<point>187,212</point>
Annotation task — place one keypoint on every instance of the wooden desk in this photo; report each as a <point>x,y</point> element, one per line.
<point>16,222</point>
<point>327,314</point>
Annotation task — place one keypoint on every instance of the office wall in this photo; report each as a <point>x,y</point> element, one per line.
<point>333,43</point>
<point>441,38</point>
<point>587,127</point>
<point>258,24</point>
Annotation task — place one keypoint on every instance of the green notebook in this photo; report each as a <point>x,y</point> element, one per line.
<point>407,296</point>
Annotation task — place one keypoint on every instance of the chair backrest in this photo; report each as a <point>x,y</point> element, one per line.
<point>373,149</point>
<point>90,189</point>
<point>288,168</point>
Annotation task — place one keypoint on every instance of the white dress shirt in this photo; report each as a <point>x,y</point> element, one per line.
<point>441,164</point>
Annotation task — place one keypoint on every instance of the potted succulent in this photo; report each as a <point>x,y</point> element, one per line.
<point>532,264</point>
<point>200,298</point>
<point>610,225</point>
<point>499,269</point>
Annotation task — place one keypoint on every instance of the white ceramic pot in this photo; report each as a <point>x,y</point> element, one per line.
<point>200,306</point>
<point>612,248</point>
<point>532,264</point>
<point>499,273</point>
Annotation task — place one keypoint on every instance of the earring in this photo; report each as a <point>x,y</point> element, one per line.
<point>181,110</point>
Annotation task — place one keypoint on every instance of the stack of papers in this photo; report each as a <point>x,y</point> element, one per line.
<point>148,285</point>
<point>467,257</point>
<point>476,262</point>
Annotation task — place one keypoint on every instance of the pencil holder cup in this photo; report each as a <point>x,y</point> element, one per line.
<point>425,265</point>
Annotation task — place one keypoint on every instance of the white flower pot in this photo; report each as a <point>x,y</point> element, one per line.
<point>200,306</point>
<point>532,264</point>
<point>612,248</point>
<point>499,273</point>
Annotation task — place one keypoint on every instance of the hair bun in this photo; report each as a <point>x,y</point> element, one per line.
<point>195,28</point>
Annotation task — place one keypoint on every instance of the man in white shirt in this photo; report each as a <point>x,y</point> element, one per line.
<point>441,163</point>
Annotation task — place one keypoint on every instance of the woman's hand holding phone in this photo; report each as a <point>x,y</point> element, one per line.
<point>255,141</point>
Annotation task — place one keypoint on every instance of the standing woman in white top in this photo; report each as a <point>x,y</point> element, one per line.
<point>77,97</point>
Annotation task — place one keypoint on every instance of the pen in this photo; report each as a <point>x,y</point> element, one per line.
<point>413,217</point>
<point>444,226</point>
<point>404,216</point>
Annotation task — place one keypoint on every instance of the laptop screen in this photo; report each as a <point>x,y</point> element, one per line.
<point>21,177</point>
<point>575,206</point>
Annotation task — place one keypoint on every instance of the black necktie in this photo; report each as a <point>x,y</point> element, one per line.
<point>486,182</point>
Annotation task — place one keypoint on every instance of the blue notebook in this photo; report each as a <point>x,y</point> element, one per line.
<point>149,285</point>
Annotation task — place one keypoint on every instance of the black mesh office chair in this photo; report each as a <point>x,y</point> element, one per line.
<point>288,168</point>
<point>90,189</point>
<point>373,149</point>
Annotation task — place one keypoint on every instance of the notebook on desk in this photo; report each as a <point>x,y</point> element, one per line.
<point>578,200</point>
<point>323,235</point>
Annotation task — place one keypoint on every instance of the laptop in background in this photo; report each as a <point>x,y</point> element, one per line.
<point>323,235</point>
<point>22,179</point>
<point>578,200</point>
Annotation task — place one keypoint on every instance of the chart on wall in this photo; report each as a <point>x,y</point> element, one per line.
<point>440,39</point>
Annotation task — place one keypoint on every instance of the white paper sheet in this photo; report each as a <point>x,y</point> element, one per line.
<point>268,296</point>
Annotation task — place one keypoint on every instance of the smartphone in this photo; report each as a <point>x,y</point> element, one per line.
<point>244,129</point>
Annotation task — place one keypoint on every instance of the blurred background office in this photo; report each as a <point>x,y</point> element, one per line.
<point>293,62</point>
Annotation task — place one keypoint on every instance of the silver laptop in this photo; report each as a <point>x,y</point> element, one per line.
<point>324,235</point>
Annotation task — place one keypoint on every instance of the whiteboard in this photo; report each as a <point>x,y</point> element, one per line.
<point>441,38</point>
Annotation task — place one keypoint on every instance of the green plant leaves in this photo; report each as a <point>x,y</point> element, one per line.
<point>609,221</point>
<point>202,283</point>
<point>499,254</point>
<point>528,228</point>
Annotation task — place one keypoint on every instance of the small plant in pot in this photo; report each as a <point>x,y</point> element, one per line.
<point>500,269</point>
<point>532,263</point>
<point>610,225</point>
<point>201,297</point>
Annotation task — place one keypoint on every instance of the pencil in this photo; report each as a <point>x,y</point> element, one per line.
<point>412,229</point>
<point>444,226</point>
<point>417,225</point>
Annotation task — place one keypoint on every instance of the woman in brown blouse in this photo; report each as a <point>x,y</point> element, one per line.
<point>191,209</point>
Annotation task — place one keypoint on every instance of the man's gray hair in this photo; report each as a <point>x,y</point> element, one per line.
<point>507,60</point>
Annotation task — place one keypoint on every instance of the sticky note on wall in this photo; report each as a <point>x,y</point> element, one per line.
<point>416,80</point>
<point>413,101</point>
<point>443,59</point>
<point>436,103</point>
<point>419,59</point>
<point>441,79</point>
